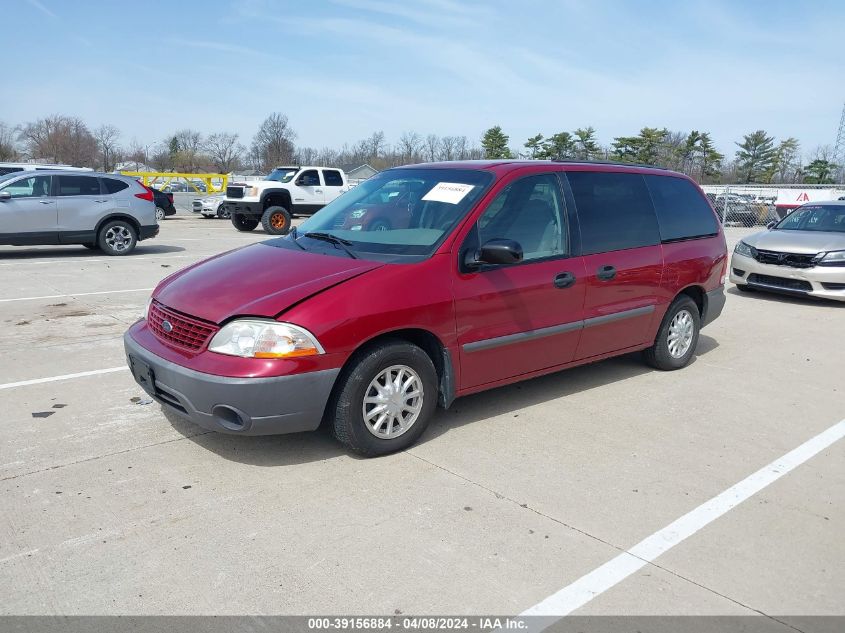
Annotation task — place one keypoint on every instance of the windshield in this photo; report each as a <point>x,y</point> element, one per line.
<point>815,218</point>
<point>282,174</point>
<point>398,213</point>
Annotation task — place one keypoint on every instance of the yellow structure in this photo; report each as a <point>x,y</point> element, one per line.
<point>162,178</point>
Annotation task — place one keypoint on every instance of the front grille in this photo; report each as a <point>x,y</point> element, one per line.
<point>234,192</point>
<point>185,332</point>
<point>798,285</point>
<point>197,204</point>
<point>785,259</point>
<point>833,286</point>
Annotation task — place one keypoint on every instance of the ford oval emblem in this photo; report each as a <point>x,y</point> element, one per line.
<point>167,326</point>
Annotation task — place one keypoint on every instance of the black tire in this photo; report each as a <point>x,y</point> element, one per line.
<point>117,238</point>
<point>744,288</point>
<point>659,354</point>
<point>160,214</point>
<point>244,223</point>
<point>345,410</point>
<point>223,212</point>
<point>276,221</point>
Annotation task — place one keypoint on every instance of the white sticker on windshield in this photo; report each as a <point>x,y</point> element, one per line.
<point>451,192</point>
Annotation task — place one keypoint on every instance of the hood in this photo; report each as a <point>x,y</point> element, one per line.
<point>257,280</point>
<point>804,242</point>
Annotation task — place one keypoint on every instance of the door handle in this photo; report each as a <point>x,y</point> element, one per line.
<point>45,201</point>
<point>318,191</point>
<point>606,273</point>
<point>564,280</point>
<point>100,201</point>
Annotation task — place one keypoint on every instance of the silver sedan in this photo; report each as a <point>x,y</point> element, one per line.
<point>803,254</point>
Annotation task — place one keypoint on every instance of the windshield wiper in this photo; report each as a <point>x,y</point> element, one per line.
<point>293,238</point>
<point>332,239</point>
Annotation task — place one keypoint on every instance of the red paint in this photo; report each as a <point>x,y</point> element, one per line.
<point>347,302</point>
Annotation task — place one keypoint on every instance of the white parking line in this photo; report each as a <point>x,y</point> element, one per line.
<point>82,374</point>
<point>76,294</point>
<point>598,581</point>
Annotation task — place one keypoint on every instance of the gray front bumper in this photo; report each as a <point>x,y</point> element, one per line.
<point>243,406</point>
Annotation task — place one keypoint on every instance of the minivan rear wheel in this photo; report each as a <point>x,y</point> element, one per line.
<point>385,399</point>
<point>117,237</point>
<point>677,337</point>
<point>243,222</point>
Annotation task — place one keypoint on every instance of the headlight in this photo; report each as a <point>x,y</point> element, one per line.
<point>744,249</point>
<point>833,258</point>
<point>249,192</point>
<point>258,338</point>
<point>147,308</point>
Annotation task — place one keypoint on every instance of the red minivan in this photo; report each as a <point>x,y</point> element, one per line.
<point>498,271</point>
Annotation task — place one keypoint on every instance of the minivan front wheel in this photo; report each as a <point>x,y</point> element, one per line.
<point>677,337</point>
<point>117,238</point>
<point>385,399</point>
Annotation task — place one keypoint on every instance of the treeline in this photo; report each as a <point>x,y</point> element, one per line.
<point>759,157</point>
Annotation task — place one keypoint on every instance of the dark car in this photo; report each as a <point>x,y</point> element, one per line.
<point>493,272</point>
<point>164,204</point>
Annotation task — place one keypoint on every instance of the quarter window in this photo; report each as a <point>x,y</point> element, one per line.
<point>332,178</point>
<point>112,185</point>
<point>33,187</point>
<point>682,211</point>
<point>78,186</point>
<point>614,210</point>
<point>528,211</point>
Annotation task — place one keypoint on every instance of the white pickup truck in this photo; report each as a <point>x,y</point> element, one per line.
<point>284,193</point>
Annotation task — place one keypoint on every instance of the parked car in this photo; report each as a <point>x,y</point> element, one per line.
<point>164,204</point>
<point>506,270</point>
<point>736,209</point>
<point>10,168</point>
<point>210,207</point>
<point>803,254</point>
<point>105,211</point>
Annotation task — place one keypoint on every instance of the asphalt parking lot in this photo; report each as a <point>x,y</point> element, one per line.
<point>109,506</point>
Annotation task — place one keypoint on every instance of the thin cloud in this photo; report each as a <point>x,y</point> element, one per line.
<point>42,8</point>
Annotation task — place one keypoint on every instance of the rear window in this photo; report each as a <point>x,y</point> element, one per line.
<point>614,210</point>
<point>682,212</point>
<point>78,186</point>
<point>332,178</point>
<point>113,186</point>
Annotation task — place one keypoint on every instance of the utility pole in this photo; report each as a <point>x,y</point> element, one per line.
<point>839,148</point>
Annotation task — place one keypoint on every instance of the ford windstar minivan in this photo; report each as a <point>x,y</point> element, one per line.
<point>476,275</point>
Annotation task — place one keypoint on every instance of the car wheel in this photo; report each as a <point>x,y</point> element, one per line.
<point>244,222</point>
<point>677,337</point>
<point>276,221</point>
<point>380,225</point>
<point>160,214</point>
<point>117,238</point>
<point>223,212</point>
<point>384,399</point>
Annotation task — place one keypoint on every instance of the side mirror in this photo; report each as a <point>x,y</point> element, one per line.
<point>5,195</point>
<point>771,225</point>
<point>497,251</point>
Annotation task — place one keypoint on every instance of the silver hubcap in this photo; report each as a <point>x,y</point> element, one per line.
<point>681,330</point>
<point>118,238</point>
<point>393,401</point>
<point>159,213</point>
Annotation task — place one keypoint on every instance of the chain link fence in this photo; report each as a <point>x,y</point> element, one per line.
<point>757,205</point>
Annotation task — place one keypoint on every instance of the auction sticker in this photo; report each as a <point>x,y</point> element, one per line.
<point>451,192</point>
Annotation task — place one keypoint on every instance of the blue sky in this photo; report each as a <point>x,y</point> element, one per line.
<point>341,69</point>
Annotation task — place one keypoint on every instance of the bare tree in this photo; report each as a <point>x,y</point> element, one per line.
<point>224,151</point>
<point>461,149</point>
<point>61,139</point>
<point>375,145</point>
<point>107,137</point>
<point>273,142</point>
<point>447,147</point>
<point>8,142</point>
<point>432,147</point>
<point>189,144</point>
<point>410,144</point>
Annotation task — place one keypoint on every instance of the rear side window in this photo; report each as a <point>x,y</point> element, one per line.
<point>332,178</point>
<point>614,210</point>
<point>113,186</point>
<point>78,186</point>
<point>682,212</point>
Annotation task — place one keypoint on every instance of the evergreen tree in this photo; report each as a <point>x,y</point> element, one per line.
<point>495,143</point>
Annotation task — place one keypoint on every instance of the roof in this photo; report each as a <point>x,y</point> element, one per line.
<point>505,166</point>
<point>70,172</point>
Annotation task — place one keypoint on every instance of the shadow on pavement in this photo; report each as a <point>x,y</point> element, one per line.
<point>72,252</point>
<point>300,448</point>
